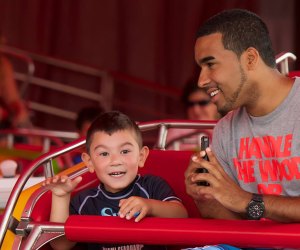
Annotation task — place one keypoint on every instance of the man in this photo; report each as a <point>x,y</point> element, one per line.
<point>253,164</point>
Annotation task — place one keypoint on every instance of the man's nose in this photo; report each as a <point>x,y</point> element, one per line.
<point>203,79</point>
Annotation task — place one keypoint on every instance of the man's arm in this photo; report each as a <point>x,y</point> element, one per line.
<point>223,198</point>
<point>212,209</point>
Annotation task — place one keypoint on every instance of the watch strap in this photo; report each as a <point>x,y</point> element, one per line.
<point>257,197</point>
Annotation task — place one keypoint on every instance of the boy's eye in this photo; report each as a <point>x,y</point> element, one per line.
<point>125,151</point>
<point>103,154</point>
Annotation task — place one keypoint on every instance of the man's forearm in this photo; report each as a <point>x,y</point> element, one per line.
<point>282,208</point>
<point>212,209</point>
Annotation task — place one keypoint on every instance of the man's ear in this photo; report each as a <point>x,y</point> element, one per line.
<point>251,56</point>
<point>88,161</point>
<point>144,152</point>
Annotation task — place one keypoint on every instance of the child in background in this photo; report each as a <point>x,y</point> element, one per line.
<point>198,106</point>
<point>114,152</point>
<point>84,120</point>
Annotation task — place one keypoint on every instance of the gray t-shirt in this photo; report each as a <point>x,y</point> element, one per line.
<point>262,154</point>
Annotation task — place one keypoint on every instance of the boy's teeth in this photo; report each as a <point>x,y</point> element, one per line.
<point>214,92</point>
<point>116,173</point>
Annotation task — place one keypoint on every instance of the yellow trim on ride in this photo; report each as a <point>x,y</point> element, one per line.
<point>22,201</point>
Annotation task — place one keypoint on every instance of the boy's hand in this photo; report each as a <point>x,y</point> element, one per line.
<point>61,185</point>
<point>134,207</point>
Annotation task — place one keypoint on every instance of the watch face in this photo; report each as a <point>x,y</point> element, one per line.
<point>255,210</point>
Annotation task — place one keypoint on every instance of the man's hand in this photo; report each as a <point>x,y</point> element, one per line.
<point>221,187</point>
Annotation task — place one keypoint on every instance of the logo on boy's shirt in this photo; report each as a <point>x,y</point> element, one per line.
<point>107,211</point>
<point>271,158</point>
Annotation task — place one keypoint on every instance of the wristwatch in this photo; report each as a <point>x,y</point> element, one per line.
<point>256,207</point>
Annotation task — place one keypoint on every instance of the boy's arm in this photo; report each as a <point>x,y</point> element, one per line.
<point>166,209</point>
<point>61,187</point>
<point>60,213</point>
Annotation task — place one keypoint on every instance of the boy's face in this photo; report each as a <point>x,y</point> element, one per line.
<point>115,158</point>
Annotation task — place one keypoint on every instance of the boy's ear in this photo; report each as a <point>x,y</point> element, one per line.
<point>143,156</point>
<point>87,161</point>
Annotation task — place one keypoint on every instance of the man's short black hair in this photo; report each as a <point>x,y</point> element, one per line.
<point>240,30</point>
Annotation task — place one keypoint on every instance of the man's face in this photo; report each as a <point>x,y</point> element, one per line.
<point>221,73</point>
<point>115,158</point>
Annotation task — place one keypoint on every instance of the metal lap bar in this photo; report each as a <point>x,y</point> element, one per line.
<point>39,233</point>
<point>164,125</point>
<point>184,232</point>
<point>282,59</point>
<point>48,169</point>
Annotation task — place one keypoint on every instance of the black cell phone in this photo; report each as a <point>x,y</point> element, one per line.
<point>204,145</point>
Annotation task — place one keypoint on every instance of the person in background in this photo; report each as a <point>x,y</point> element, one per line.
<point>115,152</point>
<point>198,106</point>
<point>13,112</point>
<point>253,169</point>
<point>83,121</point>
<point>85,118</point>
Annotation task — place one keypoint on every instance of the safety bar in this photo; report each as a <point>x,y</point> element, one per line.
<point>192,232</point>
<point>48,135</point>
<point>169,231</point>
<point>282,59</point>
<point>163,126</point>
<point>49,230</point>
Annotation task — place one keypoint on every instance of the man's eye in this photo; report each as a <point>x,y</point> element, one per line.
<point>210,65</point>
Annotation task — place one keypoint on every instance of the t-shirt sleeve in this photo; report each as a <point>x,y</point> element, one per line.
<point>78,203</point>
<point>159,189</point>
<point>74,205</point>
<point>220,145</point>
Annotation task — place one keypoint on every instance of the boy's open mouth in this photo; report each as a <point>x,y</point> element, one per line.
<point>117,173</point>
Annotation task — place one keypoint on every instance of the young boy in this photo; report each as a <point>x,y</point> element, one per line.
<point>114,152</point>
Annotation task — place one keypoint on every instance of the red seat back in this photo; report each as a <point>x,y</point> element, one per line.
<point>171,165</point>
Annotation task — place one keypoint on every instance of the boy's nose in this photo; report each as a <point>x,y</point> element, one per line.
<point>115,159</point>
